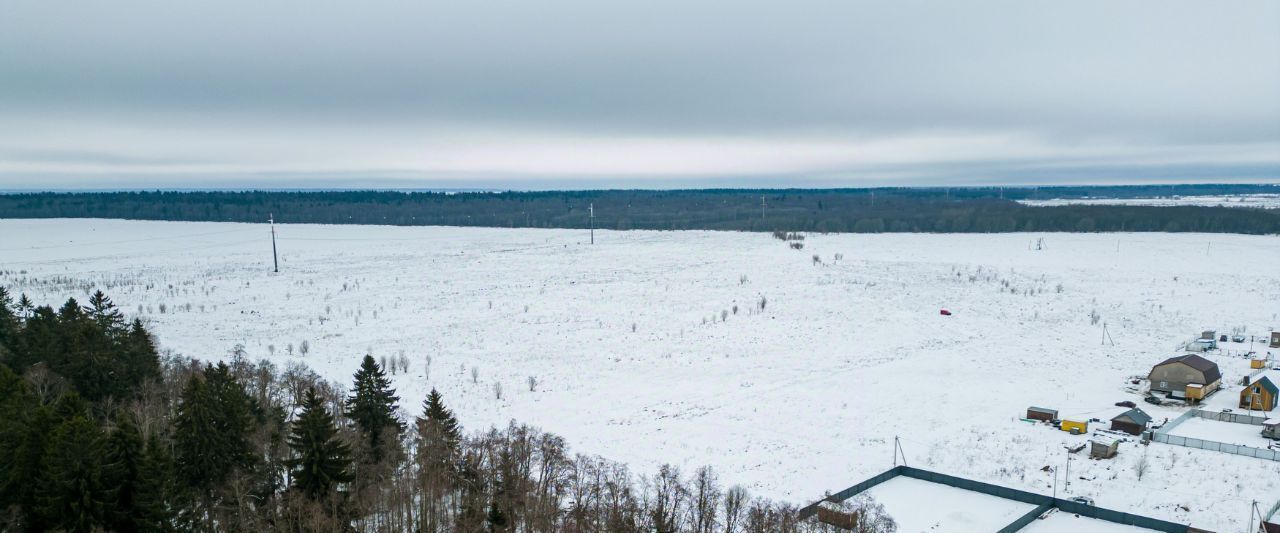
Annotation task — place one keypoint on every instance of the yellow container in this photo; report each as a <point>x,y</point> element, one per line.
<point>1075,426</point>
<point>1258,363</point>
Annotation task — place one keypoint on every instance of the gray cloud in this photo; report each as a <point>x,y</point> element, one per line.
<point>168,91</point>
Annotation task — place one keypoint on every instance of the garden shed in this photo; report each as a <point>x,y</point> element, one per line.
<point>1133,421</point>
<point>1103,448</point>
<point>1041,413</point>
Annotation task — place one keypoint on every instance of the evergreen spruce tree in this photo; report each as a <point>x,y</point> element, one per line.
<point>70,405</point>
<point>25,306</point>
<point>372,407</point>
<point>194,438</point>
<point>87,354</point>
<point>39,339</point>
<point>499,515</point>
<point>104,313</point>
<point>496,519</point>
<point>155,493</point>
<point>25,427</point>
<point>441,419</point>
<point>69,493</point>
<point>321,461</point>
<point>211,434</point>
<point>123,458</point>
<point>142,361</point>
<point>8,321</point>
<point>437,457</point>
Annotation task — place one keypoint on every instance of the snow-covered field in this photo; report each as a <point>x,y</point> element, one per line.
<point>1225,432</point>
<point>640,356</point>
<point>921,506</point>
<point>1260,201</point>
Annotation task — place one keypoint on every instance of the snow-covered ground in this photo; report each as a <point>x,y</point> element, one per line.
<point>1225,432</point>
<point>1261,201</point>
<point>634,361</point>
<point>923,506</point>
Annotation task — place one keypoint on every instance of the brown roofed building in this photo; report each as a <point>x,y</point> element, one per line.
<point>1174,375</point>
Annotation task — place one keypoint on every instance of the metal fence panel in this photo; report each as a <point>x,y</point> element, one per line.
<point>1026,519</point>
<point>1043,503</point>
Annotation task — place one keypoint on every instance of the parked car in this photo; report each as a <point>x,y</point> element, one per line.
<point>1083,500</point>
<point>1222,338</point>
<point>1126,403</point>
<point>1152,400</point>
<point>1237,338</point>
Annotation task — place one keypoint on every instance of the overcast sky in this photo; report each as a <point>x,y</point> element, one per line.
<point>594,93</point>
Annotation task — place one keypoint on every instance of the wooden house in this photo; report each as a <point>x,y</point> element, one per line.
<point>1041,413</point>
<point>1174,375</point>
<point>1133,421</point>
<point>1261,395</point>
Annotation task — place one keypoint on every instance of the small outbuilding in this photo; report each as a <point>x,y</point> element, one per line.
<point>834,515</point>
<point>1103,448</point>
<point>1271,428</point>
<point>1257,363</point>
<point>1174,375</point>
<point>1260,395</point>
<point>1275,339</point>
<point>1075,427</point>
<point>1041,413</point>
<point>1133,421</point>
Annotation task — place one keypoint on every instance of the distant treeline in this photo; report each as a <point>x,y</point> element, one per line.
<point>937,210</point>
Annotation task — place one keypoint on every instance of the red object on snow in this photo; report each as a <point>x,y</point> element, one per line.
<point>946,312</point>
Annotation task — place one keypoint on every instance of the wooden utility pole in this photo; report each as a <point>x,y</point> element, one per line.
<point>591,209</point>
<point>762,207</point>
<point>275,261</point>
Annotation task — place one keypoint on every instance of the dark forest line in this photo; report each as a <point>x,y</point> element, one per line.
<point>936,210</point>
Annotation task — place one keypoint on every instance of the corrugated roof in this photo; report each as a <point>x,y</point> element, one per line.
<point>1207,367</point>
